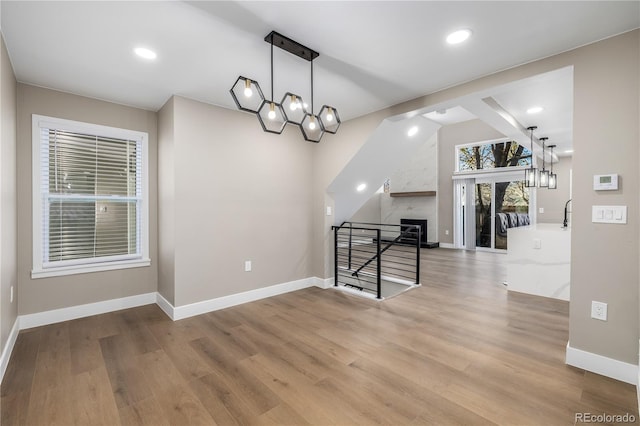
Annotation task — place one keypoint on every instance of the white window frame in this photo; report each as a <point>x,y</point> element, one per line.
<point>40,269</point>
<point>457,149</point>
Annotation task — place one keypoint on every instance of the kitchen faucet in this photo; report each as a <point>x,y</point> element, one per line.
<point>565,223</point>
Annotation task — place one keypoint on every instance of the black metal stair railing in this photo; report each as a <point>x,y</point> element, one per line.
<point>366,255</point>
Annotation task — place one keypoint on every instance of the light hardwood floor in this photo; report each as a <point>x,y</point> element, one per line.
<point>458,350</point>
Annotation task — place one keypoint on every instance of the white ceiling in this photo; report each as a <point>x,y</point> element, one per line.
<point>373,54</point>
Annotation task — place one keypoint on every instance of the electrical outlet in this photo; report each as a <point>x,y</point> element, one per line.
<point>598,310</point>
<point>11,298</point>
<point>247,266</point>
<point>446,232</point>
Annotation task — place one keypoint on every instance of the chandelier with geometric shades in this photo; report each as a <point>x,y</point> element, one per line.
<point>291,109</point>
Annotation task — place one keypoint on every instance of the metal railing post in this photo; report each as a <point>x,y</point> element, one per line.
<point>335,256</point>
<point>350,244</point>
<point>418,254</point>
<point>379,269</point>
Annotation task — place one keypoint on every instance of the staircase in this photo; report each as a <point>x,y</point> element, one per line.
<point>376,260</point>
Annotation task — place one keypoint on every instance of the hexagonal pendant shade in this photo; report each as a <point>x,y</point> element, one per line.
<point>271,117</point>
<point>293,107</point>
<point>330,119</point>
<point>311,128</point>
<point>247,94</point>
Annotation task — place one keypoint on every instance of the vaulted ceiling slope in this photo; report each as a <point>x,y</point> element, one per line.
<point>373,54</point>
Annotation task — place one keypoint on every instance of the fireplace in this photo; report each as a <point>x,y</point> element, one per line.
<point>423,230</point>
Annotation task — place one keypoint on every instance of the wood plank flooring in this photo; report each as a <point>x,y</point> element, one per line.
<point>458,350</point>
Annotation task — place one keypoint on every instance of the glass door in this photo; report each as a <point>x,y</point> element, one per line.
<point>484,203</point>
<point>511,202</point>
<point>499,205</point>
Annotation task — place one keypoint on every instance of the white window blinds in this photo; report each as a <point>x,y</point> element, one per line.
<point>91,197</point>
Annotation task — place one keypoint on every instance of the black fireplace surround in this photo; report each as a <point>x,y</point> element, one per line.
<point>412,232</point>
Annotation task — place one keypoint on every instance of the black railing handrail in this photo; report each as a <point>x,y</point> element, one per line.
<point>402,225</point>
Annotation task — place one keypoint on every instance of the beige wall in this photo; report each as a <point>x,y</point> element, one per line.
<point>166,202</point>
<point>59,292</point>
<point>240,194</point>
<point>8,236</point>
<point>604,257</point>
<point>448,137</point>
<point>553,201</point>
<point>606,138</point>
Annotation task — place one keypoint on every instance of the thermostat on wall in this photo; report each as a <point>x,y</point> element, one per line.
<point>605,182</point>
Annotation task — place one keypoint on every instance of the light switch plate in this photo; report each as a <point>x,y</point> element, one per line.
<point>609,214</point>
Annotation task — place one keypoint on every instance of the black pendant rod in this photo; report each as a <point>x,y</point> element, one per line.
<point>532,128</point>
<point>311,87</point>
<point>271,69</point>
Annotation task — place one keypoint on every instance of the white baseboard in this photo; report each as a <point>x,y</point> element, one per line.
<point>81,311</point>
<point>602,365</point>
<point>8,348</point>
<point>323,283</point>
<point>447,245</point>
<point>211,305</point>
<point>165,305</point>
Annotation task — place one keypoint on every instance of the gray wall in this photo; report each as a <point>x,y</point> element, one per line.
<point>238,194</point>
<point>59,292</point>
<point>448,137</point>
<point>8,235</point>
<point>553,200</point>
<point>604,257</point>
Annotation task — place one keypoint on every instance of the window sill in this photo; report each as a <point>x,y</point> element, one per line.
<point>85,269</point>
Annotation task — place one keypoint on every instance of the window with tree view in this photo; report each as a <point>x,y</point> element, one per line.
<point>492,156</point>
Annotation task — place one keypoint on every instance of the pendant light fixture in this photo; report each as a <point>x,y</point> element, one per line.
<point>531,174</point>
<point>544,174</point>
<point>553,178</point>
<point>270,114</point>
<point>311,126</point>
<point>274,116</point>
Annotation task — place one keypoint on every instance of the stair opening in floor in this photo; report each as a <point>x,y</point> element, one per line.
<point>376,260</point>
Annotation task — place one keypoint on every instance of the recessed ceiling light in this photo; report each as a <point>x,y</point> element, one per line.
<point>412,131</point>
<point>458,36</point>
<point>361,187</point>
<point>145,53</point>
<point>534,110</point>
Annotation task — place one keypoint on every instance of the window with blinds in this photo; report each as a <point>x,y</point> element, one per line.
<point>90,194</point>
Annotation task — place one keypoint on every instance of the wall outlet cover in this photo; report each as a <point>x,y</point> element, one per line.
<point>599,310</point>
